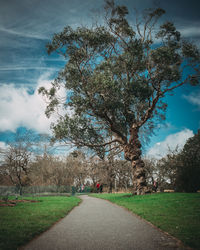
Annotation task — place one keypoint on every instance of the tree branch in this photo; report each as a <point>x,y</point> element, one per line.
<point>150,109</point>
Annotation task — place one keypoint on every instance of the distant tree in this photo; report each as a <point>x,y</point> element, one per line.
<point>79,168</point>
<point>116,77</point>
<point>167,168</point>
<point>17,157</point>
<point>188,172</point>
<point>123,175</point>
<point>53,170</point>
<point>110,170</point>
<point>16,166</point>
<point>97,171</point>
<point>164,170</point>
<point>111,167</point>
<point>150,170</point>
<point>93,170</point>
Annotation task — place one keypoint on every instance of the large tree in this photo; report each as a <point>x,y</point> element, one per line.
<point>116,77</point>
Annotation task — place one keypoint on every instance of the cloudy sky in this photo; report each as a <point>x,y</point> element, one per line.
<point>25,28</point>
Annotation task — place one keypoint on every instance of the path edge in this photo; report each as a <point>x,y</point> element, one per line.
<point>22,247</point>
<point>179,242</point>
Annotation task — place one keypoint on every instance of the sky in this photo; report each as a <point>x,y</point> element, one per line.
<point>26,26</point>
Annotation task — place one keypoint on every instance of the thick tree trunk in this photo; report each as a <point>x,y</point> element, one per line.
<point>133,153</point>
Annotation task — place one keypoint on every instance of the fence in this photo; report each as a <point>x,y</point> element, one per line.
<point>43,190</point>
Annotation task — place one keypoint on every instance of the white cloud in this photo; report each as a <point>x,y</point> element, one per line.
<point>194,98</point>
<point>20,68</point>
<point>20,108</point>
<point>3,149</point>
<point>3,145</point>
<point>179,139</point>
<point>23,34</point>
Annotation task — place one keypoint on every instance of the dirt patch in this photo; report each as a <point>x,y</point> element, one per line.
<point>12,203</point>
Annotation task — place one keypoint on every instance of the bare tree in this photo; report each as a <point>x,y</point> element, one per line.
<point>16,165</point>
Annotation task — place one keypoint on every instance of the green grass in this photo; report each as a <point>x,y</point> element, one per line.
<point>175,213</point>
<point>21,223</point>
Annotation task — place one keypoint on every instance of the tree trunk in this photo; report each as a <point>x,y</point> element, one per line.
<point>20,190</point>
<point>110,177</point>
<point>132,152</point>
<point>110,187</point>
<point>110,174</point>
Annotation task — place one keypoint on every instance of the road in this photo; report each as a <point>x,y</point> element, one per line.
<point>97,224</point>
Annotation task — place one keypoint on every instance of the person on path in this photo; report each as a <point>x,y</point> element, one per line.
<point>155,186</point>
<point>81,188</point>
<point>101,188</point>
<point>98,186</point>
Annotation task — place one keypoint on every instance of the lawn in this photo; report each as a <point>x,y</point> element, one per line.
<point>175,213</point>
<point>19,224</point>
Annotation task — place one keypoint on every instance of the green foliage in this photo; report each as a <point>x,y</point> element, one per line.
<point>23,222</point>
<point>176,213</point>
<point>190,51</point>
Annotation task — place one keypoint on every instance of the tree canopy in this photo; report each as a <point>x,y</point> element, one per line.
<point>116,76</point>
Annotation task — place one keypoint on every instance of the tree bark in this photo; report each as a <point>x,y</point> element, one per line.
<point>132,152</point>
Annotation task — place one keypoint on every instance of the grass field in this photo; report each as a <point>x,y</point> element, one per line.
<point>175,213</point>
<point>21,223</point>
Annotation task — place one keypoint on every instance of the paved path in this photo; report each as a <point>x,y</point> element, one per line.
<point>99,225</point>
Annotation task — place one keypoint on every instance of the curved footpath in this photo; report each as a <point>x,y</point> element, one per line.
<point>98,224</point>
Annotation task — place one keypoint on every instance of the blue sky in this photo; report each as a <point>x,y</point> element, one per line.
<point>25,28</point>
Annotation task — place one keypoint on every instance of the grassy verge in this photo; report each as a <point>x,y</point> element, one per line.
<point>175,213</point>
<point>21,223</point>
